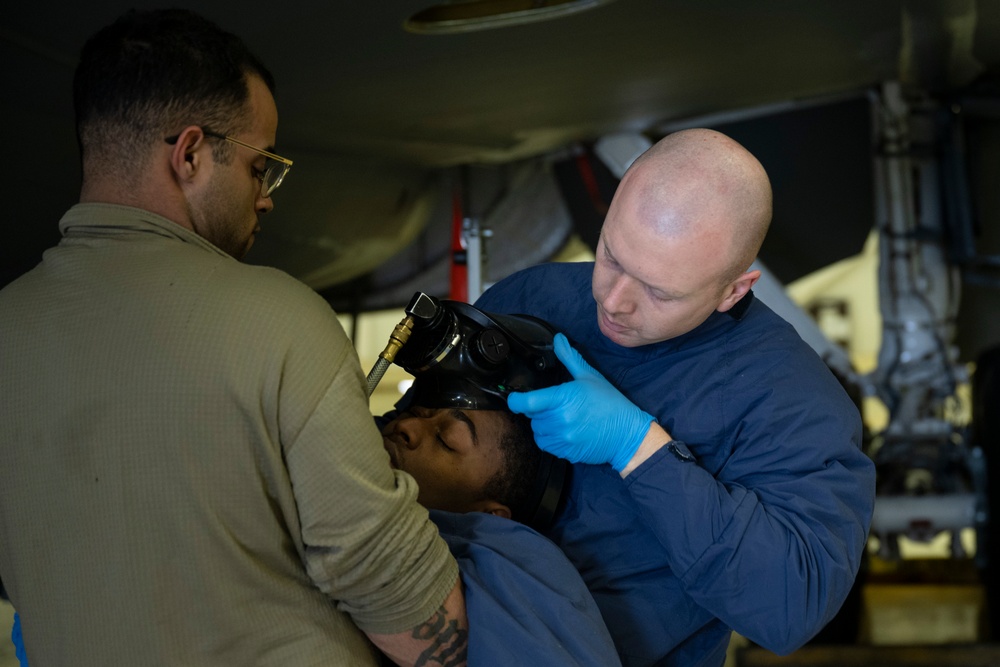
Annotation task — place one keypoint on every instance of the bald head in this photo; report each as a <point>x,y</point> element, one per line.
<point>681,233</point>
<point>701,184</point>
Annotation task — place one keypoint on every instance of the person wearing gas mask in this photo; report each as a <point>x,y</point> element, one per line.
<point>718,481</point>
<point>487,486</point>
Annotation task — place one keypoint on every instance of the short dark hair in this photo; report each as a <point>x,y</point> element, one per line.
<point>150,74</point>
<point>514,484</point>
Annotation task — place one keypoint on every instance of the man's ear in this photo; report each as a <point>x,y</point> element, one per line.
<point>493,507</point>
<point>186,157</point>
<point>738,289</point>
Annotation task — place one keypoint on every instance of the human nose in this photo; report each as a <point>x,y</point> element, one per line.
<point>618,298</point>
<point>412,431</point>
<point>264,204</point>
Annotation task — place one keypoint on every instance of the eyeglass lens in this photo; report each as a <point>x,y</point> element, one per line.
<point>274,174</point>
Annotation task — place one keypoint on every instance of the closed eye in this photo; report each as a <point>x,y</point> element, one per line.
<point>610,260</point>
<point>659,296</point>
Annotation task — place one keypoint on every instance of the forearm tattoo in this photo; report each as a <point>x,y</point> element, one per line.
<point>450,642</point>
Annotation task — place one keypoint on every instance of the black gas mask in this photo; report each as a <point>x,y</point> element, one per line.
<point>462,357</point>
<point>465,358</point>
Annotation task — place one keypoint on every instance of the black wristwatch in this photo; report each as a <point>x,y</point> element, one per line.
<point>680,450</point>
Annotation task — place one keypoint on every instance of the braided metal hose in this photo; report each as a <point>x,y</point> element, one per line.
<point>397,339</point>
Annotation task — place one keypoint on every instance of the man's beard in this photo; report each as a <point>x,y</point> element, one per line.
<point>210,223</point>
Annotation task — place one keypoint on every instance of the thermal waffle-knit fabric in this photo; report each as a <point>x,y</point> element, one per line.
<point>190,471</point>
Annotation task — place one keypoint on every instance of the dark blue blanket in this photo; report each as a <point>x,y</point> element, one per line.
<point>526,603</point>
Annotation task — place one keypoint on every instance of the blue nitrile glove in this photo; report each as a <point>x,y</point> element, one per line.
<point>585,420</point>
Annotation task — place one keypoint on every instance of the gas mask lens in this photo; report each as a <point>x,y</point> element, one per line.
<point>463,357</point>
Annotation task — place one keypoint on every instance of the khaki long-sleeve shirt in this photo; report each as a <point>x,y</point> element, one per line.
<point>189,473</point>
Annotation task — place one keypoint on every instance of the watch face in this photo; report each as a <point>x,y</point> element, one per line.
<point>681,451</point>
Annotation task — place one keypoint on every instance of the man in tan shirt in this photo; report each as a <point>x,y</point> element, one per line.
<point>191,475</point>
